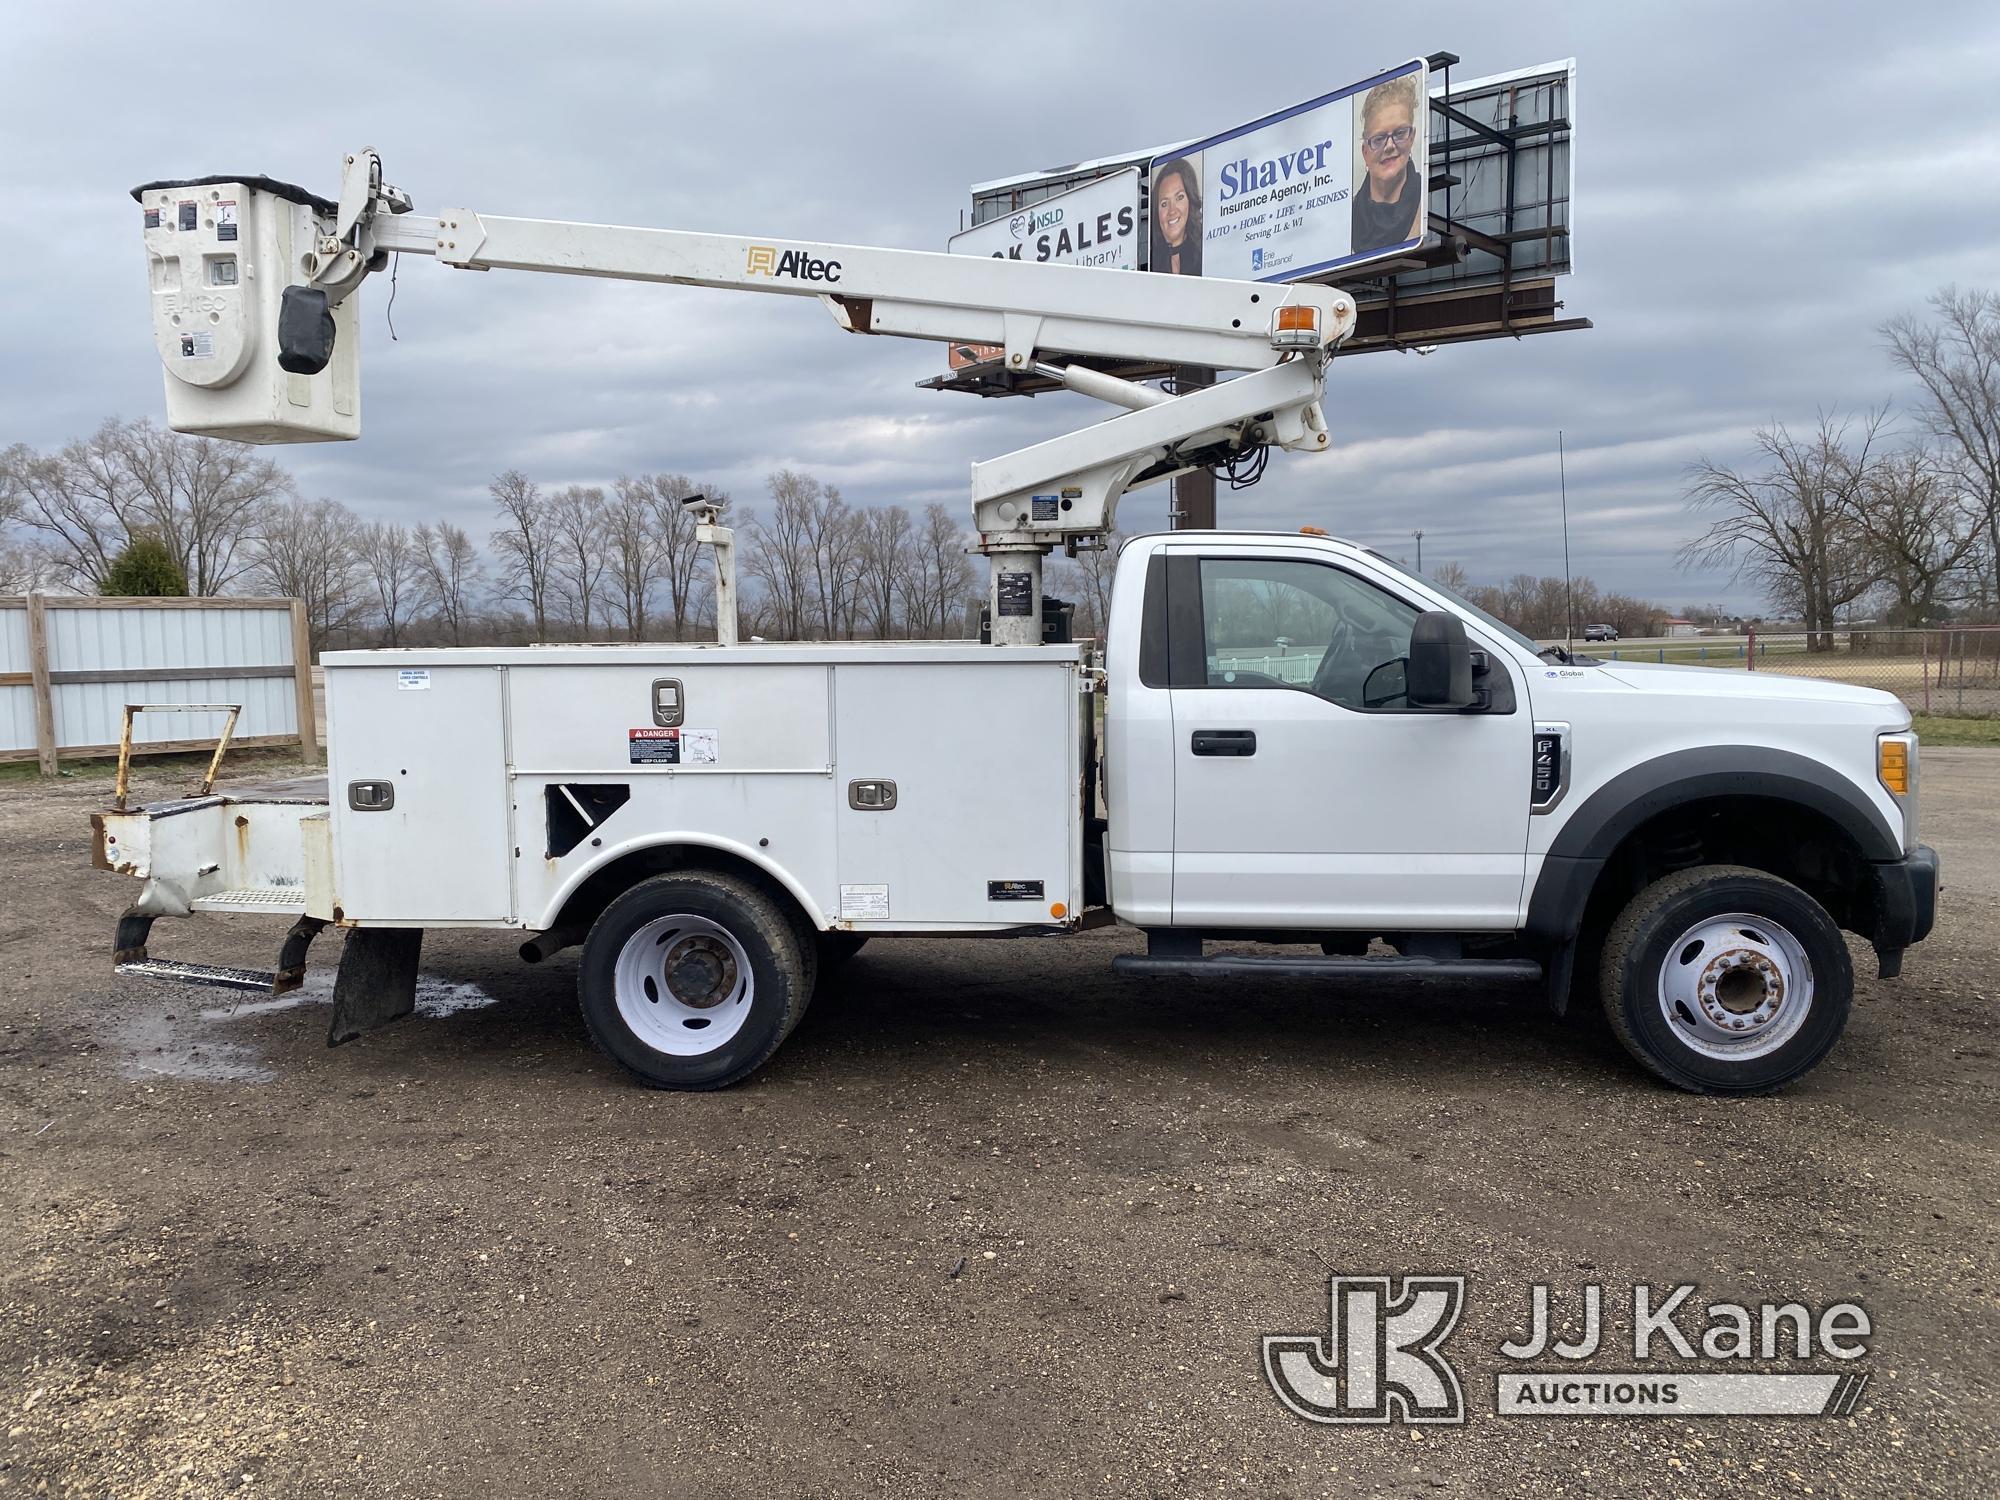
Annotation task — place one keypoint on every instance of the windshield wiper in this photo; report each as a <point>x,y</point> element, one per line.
<point>1555,653</point>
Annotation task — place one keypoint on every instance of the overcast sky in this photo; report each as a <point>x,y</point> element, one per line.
<point>1759,186</point>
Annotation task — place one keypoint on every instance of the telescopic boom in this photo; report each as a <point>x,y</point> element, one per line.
<point>255,319</point>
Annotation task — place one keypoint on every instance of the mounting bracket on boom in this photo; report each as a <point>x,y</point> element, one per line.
<point>265,351</point>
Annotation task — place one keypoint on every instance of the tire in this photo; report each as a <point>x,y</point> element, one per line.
<point>1725,980</point>
<point>692,979</point>
<point>836,948</point>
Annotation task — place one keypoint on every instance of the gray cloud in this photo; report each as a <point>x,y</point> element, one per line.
<point>1759,188</point>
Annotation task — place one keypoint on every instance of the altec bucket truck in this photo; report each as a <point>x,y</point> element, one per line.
<point>1303,743</point>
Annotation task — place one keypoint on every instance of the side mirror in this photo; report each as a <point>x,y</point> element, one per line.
<point>1440,666</point>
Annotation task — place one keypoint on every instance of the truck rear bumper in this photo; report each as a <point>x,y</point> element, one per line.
<point>1905,905</point>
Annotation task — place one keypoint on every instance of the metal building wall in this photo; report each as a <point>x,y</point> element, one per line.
<point>106,653</point>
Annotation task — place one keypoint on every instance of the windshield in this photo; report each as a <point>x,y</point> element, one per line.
<point>1498,625</point>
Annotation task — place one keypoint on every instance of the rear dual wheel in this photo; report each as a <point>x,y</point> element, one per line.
<point>692,979</point>
<point>1726,980</point>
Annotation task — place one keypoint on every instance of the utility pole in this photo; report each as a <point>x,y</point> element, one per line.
<point>1420,549</point>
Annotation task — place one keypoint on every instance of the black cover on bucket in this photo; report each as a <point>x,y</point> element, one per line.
<point>305,330</point>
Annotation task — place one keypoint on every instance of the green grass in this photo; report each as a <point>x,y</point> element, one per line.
<point>1933,730</point>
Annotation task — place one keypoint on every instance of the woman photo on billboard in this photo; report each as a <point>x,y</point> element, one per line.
<point>1176,247</point>
<point>1388,200</point>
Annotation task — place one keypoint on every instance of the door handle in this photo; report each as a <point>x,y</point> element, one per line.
<point>1225,742</point>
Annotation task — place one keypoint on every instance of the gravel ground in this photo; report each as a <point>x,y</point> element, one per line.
<point>991,1223</point>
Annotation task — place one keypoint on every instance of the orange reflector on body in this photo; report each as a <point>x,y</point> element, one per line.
<point>1892,758</point>
<point>1291,319</point>
<point>1057,909</point>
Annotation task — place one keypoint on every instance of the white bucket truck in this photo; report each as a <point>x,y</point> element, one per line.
<point>1302,742</point>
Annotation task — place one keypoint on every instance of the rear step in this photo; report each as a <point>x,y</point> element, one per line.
<point>219,975</point>
<point>129,956</point>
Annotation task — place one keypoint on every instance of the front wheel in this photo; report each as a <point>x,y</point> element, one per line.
<point>691,980</point>
<point>1725,980</point>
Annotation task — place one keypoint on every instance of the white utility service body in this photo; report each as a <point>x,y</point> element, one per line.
<point>857,777</point>
<point>1304,744</point>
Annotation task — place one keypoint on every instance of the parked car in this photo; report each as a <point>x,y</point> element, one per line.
<point>1599,633</point>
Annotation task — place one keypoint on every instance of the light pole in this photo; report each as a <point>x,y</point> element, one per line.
<point>1420,549</point>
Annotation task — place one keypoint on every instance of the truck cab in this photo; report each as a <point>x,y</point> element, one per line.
<point>1683,844</point>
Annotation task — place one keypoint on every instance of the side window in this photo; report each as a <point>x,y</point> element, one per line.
<point>1268,622</point>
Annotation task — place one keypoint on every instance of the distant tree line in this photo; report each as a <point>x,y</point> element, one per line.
<point>1847,519</point>
<point>136,508</point>
<point>133,508</point>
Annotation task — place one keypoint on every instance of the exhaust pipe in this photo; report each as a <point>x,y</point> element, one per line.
<point>547,944</point>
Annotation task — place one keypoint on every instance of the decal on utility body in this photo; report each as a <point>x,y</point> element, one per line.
<point>413,680</point>
<point>225,219</point>
<point>1013,890</point>
<point>864,903</point>
<point>673,747</point>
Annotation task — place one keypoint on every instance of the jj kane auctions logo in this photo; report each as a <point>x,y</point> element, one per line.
<point>1382,1357</point>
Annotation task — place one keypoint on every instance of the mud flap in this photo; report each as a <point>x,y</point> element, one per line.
<point>377,982</point>
<point>134,927</point>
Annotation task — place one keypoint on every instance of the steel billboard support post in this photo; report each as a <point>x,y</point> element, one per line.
<point>1194,491</point>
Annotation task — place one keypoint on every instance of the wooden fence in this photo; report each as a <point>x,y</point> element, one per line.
<point>70,663</point>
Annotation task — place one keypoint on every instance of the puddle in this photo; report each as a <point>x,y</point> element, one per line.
<point>436,998</point>
<point>195,1047</point>
<point>155,1047</point>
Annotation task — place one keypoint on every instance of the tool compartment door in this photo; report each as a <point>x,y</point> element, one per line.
<point>984,760</point>
<point>441,850</point>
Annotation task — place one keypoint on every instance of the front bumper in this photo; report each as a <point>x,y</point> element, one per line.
<point>1905,905</point>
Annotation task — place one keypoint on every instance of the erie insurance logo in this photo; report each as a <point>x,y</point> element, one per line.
<point>1383,1359</point>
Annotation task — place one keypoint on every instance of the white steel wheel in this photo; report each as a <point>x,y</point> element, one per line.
<point>691,979</point>
<point>684,985</point>
<point>1726,980</point>
<point>1736,986</point>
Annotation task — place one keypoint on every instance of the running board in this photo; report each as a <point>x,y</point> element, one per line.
<point>1308,966</point>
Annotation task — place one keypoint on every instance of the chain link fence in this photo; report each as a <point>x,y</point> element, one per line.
<point>1951,671</point>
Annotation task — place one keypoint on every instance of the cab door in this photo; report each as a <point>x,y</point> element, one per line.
<point>1307,792</point>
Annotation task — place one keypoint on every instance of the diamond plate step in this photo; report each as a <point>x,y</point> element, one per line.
<point>263,898</point>
<point>220,975</point>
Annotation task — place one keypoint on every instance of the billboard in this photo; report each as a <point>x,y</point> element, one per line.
<point>1336,181</point>
<point>1093,225</point>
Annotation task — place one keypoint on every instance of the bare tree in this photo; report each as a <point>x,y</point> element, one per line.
<point>305,549</point>
<point>941,575</point>
<point>80,498</point>
<point>836,562</point>
<point>525,545</point>
<point>781,556</point>
<point>635,547</point>
<point>448,569</point>
<point>1923,529</point>
<point>391,569</point>
<point>1956,358</point>
<point>578,558</point>
<point>1094,570</point>
<point>1796,525</point>
<point>1449,575</point>
<point>884,547</point>
<point>202,497</point>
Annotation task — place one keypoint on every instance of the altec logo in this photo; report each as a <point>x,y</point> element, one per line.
<point>795,265</point>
